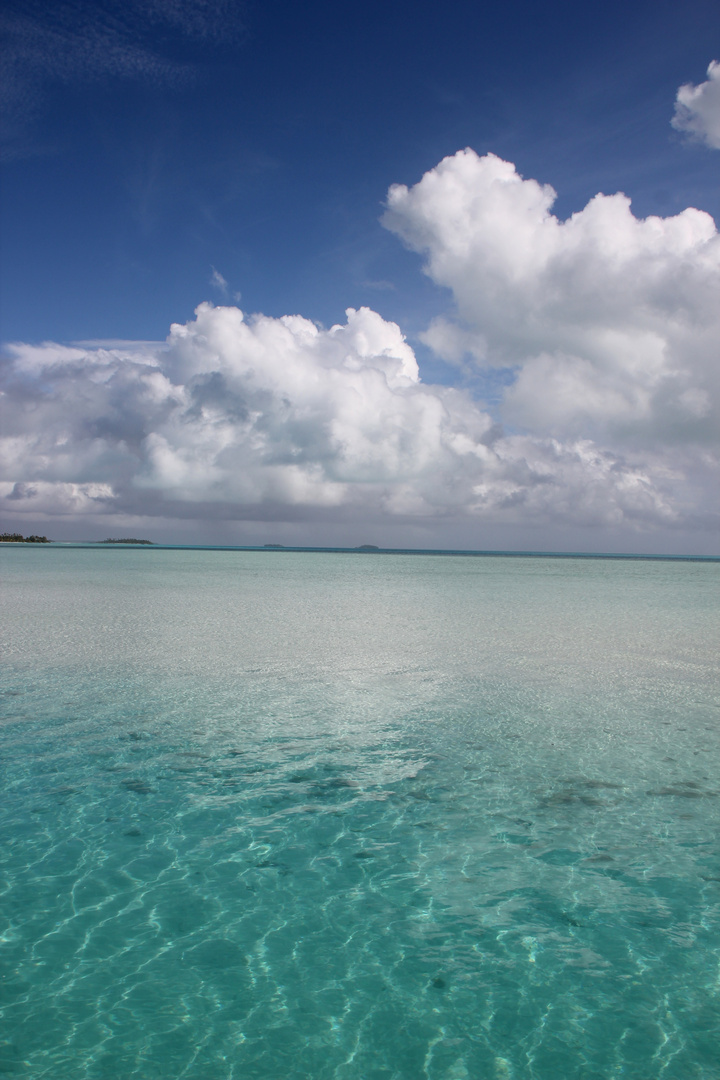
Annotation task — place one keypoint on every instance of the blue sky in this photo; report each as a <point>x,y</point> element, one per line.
<point>163,153</point>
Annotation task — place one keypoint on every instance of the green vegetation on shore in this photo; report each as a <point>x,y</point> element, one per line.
<point>18,538</point>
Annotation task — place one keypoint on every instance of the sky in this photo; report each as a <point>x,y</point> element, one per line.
<point>428,275</point>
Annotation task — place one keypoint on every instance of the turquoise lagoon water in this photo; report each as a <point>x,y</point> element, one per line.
<point>298,815</point>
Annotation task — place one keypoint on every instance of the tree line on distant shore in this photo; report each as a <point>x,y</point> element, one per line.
<point>18,538</point>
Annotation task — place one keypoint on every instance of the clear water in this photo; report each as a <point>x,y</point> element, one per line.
<point>286,815</point>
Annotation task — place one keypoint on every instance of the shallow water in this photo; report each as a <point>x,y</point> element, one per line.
<point>336,816</point>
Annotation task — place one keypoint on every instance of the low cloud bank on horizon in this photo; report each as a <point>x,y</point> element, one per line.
<point>607,326</point>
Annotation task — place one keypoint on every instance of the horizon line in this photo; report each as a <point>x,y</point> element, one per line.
<point>370,549</point>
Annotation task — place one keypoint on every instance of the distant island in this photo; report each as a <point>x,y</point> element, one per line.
<point>275,546</point>
<point>368,547</point>
<point>17,538</point>
<point>124,540</point>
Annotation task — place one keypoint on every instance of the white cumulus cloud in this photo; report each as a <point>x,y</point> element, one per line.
<point>279,419</point>
<point>610,323</point>
<point>606,329</point>
<point>697,108</point>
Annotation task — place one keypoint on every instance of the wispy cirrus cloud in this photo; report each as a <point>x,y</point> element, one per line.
<point>218,281</point>
<point>84,41</point>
